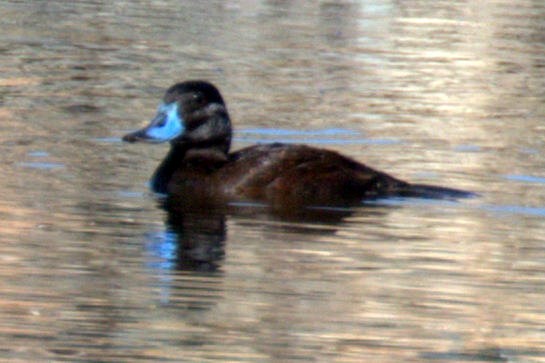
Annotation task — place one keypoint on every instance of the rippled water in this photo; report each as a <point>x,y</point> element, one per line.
<point>92,269</point>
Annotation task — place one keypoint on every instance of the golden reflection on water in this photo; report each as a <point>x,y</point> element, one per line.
<point>450,93</point>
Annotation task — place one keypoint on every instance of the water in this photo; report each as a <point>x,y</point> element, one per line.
<point>92,269</point>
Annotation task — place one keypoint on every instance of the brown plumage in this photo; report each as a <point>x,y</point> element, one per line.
<point>200,169</point>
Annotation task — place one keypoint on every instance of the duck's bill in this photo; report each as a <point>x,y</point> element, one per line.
<point>139,136</point>
<point>165,126</point>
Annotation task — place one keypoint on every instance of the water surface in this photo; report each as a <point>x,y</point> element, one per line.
<point>93,269</point>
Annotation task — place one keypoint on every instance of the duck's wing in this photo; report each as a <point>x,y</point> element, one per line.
<point>286,174</point>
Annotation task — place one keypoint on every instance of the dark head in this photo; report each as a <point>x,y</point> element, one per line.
<point>192,115</point>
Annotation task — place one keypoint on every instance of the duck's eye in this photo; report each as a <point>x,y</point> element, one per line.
<point>198,97</point>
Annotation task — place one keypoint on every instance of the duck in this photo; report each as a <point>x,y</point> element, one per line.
<point>200,168</point>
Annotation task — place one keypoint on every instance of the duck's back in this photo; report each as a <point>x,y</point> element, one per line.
<point>294,175</point>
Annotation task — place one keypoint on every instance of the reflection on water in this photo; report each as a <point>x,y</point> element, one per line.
<point>198,238</point>
<point>94,268</point>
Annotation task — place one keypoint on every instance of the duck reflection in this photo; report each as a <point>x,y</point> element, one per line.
<point>187,257</point>
<point>195,235</point>
<point>194,238</point>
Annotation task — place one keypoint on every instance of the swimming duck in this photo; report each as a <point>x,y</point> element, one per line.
<point>193,117</point>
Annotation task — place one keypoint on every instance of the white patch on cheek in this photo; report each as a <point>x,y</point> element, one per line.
<point>169,126</point>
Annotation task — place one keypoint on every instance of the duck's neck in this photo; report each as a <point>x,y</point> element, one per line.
<point>162,175</point>
<point>213,155</point>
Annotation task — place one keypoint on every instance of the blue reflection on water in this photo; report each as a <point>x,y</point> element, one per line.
<point>467,148</point>
<point>327,141</point>
<point>109,139</point>
<point>130,194</point>
<point>292,132</point>
<point>498,209</point>
<point>404,201</point>
<point>525,178</point>
<point>529,150</point>
<point>328,136</point>
<point>38,153</point>
<point>41,165</point>
<point>516,209</point>
<point>162,248</point>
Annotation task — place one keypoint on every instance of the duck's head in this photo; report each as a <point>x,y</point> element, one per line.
<point>192,114</point>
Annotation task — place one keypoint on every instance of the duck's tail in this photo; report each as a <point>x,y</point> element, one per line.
<point>433,192</point>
